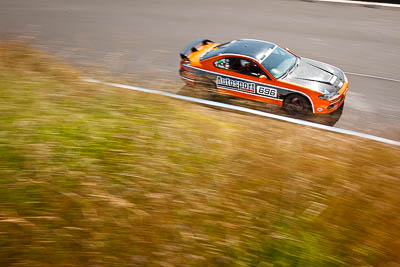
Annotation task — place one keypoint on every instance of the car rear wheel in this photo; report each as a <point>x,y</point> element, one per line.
<point>296,105</point>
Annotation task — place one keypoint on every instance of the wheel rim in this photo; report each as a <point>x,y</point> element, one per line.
<point>296,105</point>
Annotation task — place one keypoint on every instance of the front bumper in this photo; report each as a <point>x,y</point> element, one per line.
<point>328,106</point>
<point>336,103</point>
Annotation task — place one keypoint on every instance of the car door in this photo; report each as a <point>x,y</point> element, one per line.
<point>243,77</point>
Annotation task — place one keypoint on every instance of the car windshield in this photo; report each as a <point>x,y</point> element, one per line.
<point>279,62</point>
<point>215,51</point>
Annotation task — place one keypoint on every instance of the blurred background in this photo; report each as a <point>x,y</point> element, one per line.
<point>93,175</point>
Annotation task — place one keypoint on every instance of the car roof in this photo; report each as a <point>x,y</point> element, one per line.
<point>247,47</point>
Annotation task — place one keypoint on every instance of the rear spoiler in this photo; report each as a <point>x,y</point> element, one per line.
<point>193,47</point>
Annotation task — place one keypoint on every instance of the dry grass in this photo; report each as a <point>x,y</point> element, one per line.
<point>92,175</point>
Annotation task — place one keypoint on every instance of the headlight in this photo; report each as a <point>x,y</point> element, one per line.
<point>326,95</point>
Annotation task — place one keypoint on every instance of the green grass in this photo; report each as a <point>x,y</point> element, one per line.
<point>93,175</point>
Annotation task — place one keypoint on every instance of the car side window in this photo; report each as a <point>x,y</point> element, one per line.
<point>223,63</point>
<point>240,65</point>
<point>248,67</point>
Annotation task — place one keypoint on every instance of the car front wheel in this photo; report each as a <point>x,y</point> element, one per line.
<point>296,105</point>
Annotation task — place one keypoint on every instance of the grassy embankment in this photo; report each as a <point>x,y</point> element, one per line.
<point>97,175</point>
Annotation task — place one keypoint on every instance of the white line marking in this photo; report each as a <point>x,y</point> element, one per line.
<point>247,110</point>
<point>359,3</point>
<point>372,76</point>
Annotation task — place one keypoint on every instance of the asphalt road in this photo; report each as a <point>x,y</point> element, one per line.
<point>143,39</point>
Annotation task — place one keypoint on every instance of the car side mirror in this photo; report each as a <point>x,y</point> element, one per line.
<point>262,78</point>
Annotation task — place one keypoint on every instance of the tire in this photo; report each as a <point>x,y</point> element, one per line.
<point>295,104</point>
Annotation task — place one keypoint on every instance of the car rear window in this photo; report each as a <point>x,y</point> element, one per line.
<point>215,51</point>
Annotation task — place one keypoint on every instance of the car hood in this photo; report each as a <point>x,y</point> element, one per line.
<point>317,76</point>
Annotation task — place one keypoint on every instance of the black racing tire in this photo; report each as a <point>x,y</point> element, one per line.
<point>295,104</point>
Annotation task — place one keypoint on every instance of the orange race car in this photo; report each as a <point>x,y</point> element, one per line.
<point>265,72</point>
